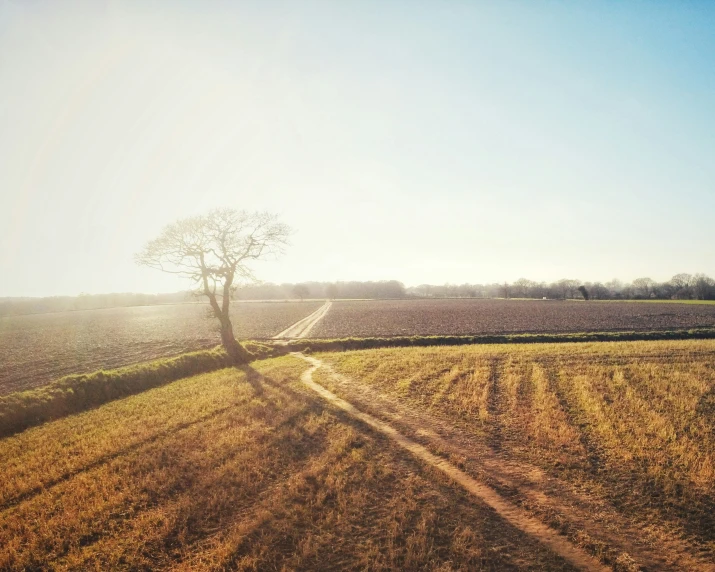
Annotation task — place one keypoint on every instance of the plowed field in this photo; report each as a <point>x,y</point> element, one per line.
<point>37,349</point>
<point>366,318</point>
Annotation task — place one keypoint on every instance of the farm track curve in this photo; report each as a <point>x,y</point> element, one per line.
<point>521,493</point>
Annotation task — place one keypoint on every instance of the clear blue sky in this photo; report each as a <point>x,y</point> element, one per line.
<point>421,141</point>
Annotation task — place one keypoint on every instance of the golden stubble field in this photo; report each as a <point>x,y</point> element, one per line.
<point>243,470</point>
<point>610,444</point>
<point>623,432</point>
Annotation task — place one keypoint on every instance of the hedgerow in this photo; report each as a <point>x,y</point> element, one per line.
<point>75,393</point>
<point>344,344</point>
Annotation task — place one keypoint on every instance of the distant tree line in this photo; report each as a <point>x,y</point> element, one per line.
<point>261,291</point>
<point>679,287</point>
<point>18,306</point>
<point>323,290</point>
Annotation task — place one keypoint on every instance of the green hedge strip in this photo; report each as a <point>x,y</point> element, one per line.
<point>344,344</point>
<point>75,393</point>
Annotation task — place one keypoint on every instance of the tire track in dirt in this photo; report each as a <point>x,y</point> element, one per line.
<point>511,513</point>
<point>494,402</point>
<point>302,328</point>
<point>588,521</point>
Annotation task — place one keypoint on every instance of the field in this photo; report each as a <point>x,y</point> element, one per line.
<point>473,316</point>
<point>39,348</point>
<point>611,446</point>
<point>612,443</point>
<point>230,470</point>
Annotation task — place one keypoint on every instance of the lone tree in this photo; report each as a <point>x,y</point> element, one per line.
<point>301,291</point>
<point>214,251</point>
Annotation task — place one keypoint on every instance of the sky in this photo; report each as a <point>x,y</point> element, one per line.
<point>422,141</point>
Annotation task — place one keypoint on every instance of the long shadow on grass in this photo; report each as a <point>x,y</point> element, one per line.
<point>253,378</point>
<point>294,447</point>
<point>497,529</point>
<point>28,494</point>
<point>291,447</point>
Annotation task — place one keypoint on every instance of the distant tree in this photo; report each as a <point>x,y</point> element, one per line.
<point>584,292</point>
<point>505,289</point>
<point>703,287</point>
<point>615,287</point>
<point>599,292</point>
<point>214,251</point>
<point>567,288</point>
<point>682,286</point>
<point>644,286</point>
<point>301,291</point>
<point>331,291</point>
<point>522,287</point>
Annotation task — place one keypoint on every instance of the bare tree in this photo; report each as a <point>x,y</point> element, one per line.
<point>682,285</point>
<point>702,286</point>
<point>214,251</point>
<point>567,288</point>
<point>523,287</point>
<point>645,286</point>
<point>599,291</point>
<point>331,291</point>
<point>301,291</point>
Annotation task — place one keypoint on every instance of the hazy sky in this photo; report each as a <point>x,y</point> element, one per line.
<point>421,141</point>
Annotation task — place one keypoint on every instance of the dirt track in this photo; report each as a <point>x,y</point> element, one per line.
<point>302,328</point>
<point>533,498</point>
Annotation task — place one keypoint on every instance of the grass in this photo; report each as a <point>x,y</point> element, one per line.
<point>75,393</point>
<point>244,468</point>
<point>355,343</point>
<point>631,423</point>
<point>236,469</point>
<point>657,301</point>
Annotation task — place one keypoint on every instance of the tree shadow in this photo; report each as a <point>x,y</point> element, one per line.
<point>254,378</point>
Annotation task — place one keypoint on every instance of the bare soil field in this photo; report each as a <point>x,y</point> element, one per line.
<point>366,318</point>
<point>36,349</point>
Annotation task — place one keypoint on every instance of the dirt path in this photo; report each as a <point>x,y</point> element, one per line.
<point>302,328</point>
<point>510,512</point>
<point>587,521</point>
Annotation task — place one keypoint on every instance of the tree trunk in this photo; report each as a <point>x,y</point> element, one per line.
<point>236,351</point>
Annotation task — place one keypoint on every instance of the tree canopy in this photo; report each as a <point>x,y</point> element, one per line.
<point>215,251</point>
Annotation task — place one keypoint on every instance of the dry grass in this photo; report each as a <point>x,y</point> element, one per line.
<point>632,423</point>
<point>232,470</point>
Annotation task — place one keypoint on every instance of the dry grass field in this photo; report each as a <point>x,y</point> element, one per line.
<point>613,443</point>
<point>36,349</point>
<point>365,318</point>
<point>241,470</point>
